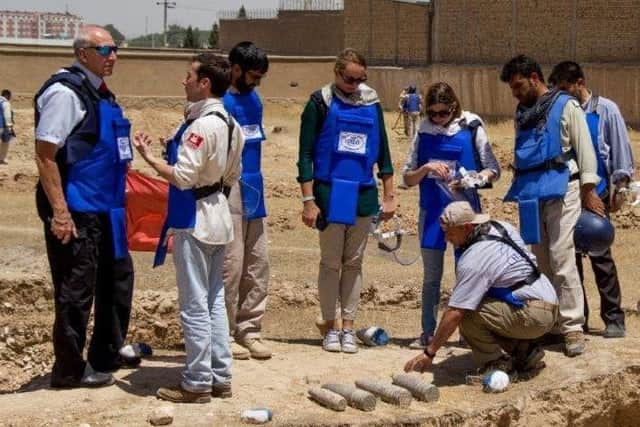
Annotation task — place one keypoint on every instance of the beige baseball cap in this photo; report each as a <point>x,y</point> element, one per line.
<point>461,213</point>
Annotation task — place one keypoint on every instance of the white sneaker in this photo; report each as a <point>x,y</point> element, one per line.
<point>349,341</point>
<point>331,341</point>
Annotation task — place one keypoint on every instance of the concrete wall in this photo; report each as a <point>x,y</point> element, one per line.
<point>291,33</point>
<point>492,31</point>
<point>147,77</point>
<point>155,72</point>
<point>388,32</point>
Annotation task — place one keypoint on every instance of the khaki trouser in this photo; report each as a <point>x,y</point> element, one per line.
<point>340,275</point>
<point>557,259</point>
<point>413,120</point>
<point>4,149</point>
<point>246,272</point>
<point>496,326</point>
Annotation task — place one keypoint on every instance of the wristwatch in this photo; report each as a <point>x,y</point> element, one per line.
<point>428,353</point>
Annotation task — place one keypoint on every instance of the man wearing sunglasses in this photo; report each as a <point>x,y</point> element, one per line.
<point>246,264</point>
<point>82,154</point>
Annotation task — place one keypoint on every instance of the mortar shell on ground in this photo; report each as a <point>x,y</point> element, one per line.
<point>356,398</point>
<point>328,399</point>
<point>420,389</point>
<point>387,392</point>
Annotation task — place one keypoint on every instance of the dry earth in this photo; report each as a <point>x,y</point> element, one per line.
<point>600,388</point>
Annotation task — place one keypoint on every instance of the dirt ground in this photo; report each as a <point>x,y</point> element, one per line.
<point>599,388</point>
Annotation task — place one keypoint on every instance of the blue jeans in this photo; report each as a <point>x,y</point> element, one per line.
<point>432,263</point>
<point>203,312</point>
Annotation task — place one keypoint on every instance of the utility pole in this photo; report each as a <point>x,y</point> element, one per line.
<point>167,5</point>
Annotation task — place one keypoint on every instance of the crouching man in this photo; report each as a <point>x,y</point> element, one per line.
<point>501,301</point>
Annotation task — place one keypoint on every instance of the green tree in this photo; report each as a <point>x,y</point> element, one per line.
<point>189,39</point>
<point>242,13</point>
<point>213,36</point>
<point>118,37</point>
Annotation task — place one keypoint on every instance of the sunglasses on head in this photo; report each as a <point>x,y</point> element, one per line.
<point>105,51</point>
<point>441,113</point>
<point>352,80</point>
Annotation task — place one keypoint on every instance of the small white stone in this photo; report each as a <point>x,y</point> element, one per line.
<point>161,416</point>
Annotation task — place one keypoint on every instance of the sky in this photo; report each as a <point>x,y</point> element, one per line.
<point>137,17</point>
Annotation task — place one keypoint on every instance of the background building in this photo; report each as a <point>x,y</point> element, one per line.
<point>22,26</point>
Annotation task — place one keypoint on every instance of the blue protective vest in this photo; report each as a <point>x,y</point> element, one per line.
<point>181,206</point>
<point>344,154</point>
<point>246,108</point>
<point>458,148</point>
<point>541,171</point>
<point>2,124</point>
<point>94,160</point>
<point>413,103</point>
<point>593,121</point>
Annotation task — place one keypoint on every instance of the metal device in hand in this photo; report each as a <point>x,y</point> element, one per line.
<point>390,239</point>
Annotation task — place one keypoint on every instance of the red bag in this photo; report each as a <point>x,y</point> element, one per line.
<point>146,210</point>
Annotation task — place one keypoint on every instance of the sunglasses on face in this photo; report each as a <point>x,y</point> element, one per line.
<point>105,51</point>
<point>442,113</point>
<point>352,80</point>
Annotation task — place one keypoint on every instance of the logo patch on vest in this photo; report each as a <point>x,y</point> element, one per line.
<point>252,132</point>
<point>350,142</point>
<point>194,140</point>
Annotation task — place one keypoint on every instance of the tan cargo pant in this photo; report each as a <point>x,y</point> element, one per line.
<point>496,326</point>
<point>246,272</point>
<point>557,259</point>
<point>340,274</point>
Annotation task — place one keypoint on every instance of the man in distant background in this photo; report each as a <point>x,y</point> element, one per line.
<point>7,133</point>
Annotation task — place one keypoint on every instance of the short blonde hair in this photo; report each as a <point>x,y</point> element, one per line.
<point>348,56</point>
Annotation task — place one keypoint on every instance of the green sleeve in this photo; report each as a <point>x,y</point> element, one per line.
<point>308,129</point>
<point>385,167</point>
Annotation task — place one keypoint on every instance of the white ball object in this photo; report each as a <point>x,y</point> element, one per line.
<point>495,381</point>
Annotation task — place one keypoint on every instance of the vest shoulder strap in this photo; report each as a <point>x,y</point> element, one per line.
<point>321,106</point>
<point>202,192</point>
<point>507,240</point>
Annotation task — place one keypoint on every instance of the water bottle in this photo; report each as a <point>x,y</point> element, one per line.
<point>495,381</point>
<point>256,416</point>
<point>137,349</point>
<point>373,336</point>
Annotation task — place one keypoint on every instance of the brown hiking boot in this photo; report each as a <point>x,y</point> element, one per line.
<point>221,390</point>
<point>256,348</point>
<point>180,395</point>
<point>239,352</point>
<point>574,343</point>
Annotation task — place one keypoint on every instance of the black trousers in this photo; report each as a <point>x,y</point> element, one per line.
<point>84,271</point>
<point>606,275</point>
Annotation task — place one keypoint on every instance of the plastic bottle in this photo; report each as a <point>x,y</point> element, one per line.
<point>256,416</point>
<point>137,349</point>
<point>495,382</point>
<point>373,336</point>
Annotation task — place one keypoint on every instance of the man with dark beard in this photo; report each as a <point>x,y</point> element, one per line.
<point>555,170</point>
<point>246,264</point>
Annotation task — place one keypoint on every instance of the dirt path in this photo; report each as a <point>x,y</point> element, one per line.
<point>599,388</point>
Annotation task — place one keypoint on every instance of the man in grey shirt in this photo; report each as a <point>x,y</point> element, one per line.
<point>615,167</point>
<point>501,301</point>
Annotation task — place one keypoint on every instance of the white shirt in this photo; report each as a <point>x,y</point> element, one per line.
<point>6,112</point>
<point>203,159</point>
<point>490,263</point>
<point>482,145</point>
<point>61,110</point>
